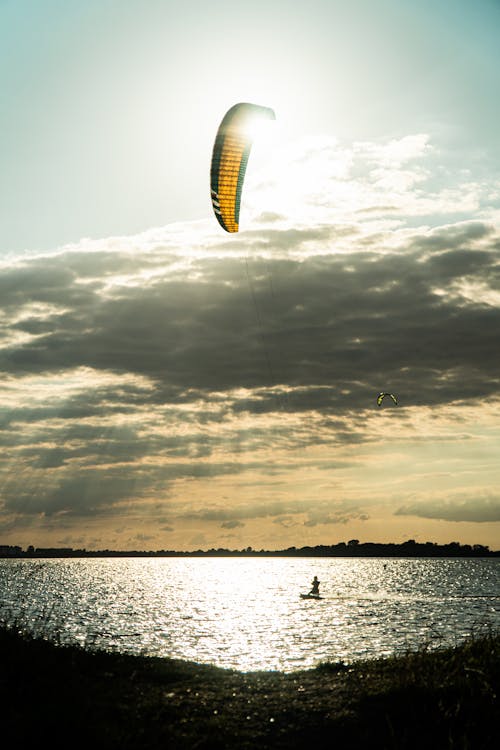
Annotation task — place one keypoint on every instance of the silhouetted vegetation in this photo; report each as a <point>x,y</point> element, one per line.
<point>58,696</point>
<point>353,548</point>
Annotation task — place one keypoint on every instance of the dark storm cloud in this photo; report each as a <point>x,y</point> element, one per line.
<point>473,509</point>
<point>321,333</point>
<point>82,493</point>
<point>352,321</point>
<point>454,237</point>
<point>78,495</point>
<point>296,238</point>
<point>320,323</point>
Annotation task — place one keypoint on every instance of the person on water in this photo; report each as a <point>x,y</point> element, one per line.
<point>315,586</point>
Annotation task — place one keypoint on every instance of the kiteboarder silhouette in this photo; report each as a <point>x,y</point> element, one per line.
<point>315,586</point>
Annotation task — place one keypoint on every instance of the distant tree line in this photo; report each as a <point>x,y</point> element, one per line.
<point>353,548</point>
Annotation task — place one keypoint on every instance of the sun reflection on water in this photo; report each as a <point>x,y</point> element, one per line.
<point>246,613</point>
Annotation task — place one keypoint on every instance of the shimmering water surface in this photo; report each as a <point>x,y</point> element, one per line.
<point>246,613</point>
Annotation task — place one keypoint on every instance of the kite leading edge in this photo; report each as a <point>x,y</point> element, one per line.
<point>381,397</point>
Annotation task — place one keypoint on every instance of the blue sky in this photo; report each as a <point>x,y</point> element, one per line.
<point>166,385</point>
<point>108,108</point>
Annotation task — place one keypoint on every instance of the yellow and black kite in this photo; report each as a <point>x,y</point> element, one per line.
<point>381,397</point>
<point>232,146</point>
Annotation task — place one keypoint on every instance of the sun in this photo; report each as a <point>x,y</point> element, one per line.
<point>259,129</point>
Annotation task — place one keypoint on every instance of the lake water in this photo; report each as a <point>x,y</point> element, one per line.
<point>246,613</point>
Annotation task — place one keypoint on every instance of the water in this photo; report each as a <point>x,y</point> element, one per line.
<point>245,613</point>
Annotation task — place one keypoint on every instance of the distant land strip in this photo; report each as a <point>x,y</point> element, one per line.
<point>353,548</point>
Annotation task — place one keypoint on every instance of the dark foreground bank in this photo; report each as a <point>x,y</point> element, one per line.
<point>65,697</point>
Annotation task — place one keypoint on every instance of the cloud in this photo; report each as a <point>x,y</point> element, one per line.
<point>132,365</point>
<point>338,517</point>
<point>287,522</point>
<point>285,513</point>
<point>320,180</point>
<point>232,525</point>
<point>472,509</point>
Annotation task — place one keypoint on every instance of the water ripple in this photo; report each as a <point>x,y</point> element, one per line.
<point>246,613</point>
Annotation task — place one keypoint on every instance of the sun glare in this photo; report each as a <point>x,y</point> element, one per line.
<point>259,128</point>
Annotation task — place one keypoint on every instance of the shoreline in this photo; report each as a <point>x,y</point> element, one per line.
<point>435,699</point>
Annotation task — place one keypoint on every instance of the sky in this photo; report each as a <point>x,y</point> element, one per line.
<point>166,385</point>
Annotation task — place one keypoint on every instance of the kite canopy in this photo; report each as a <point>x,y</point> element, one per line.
<point>381,397</point>
<point>232,146</point>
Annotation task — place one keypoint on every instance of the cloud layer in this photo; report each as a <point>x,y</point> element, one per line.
<point>135,370</point>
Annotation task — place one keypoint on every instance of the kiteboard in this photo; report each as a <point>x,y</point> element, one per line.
<point>310,596</point>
